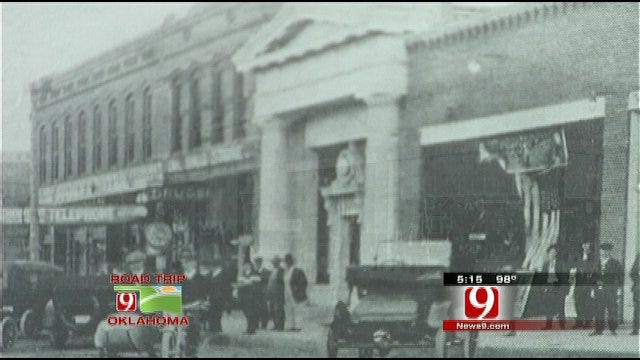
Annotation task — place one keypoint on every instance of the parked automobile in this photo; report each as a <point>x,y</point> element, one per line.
<point>396,305</point>
<point>26,288</point>
<point>77,306</point>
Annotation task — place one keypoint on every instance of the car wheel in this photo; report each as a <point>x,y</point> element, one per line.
<point>28,324</point>
<point>8,333</point>
<point>332,344</point>
<point>59,337</point>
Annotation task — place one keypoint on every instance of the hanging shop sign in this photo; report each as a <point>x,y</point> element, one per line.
<point>75,215</point>
<point>181,193</point>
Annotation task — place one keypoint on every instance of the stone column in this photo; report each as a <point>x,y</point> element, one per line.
<point>632,243</point>
<point>382,219</point>
<point>274,191</point>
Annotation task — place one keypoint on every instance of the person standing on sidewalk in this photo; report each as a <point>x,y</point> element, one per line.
<point>635,289</point>
<point>585,267</point>
<point>249,297</point>
<point>263,308</point>
<point>275,294</point>
<point>556,288</point>
<point>295,283</point>
<point>606,286</point>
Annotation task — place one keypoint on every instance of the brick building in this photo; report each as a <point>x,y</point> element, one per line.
<point>158,121</point>
<point>378,125</point>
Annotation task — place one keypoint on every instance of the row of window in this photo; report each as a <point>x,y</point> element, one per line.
<point>195,139</point>
<point>81,136</point>
<point>195,88</point>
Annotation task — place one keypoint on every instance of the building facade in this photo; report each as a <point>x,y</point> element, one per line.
<point>159,121</point>
<point>379,128</point>
<point>325,135</point>
<point>16,193</point>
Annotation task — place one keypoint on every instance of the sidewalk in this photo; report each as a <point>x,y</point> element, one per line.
<point>312,339</point>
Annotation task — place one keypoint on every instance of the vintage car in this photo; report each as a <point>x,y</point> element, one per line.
<point>77,306</point>
<point>397,304</point>
<point>26,288</point>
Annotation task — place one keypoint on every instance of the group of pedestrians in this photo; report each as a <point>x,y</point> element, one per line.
<point>597,286</point>
<point>272,295</point>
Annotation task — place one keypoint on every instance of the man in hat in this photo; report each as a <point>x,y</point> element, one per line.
<point>263,307</point>
<point>193,290</point>
<point>606,284</point>
<point>275,294</point>
<point>585,266</point>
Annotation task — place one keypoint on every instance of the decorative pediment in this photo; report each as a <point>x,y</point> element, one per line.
<point>302,29</point>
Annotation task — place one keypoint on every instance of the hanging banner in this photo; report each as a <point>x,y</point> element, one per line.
<point>530,151</point>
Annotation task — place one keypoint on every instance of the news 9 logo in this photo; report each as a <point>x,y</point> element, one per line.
<point>126,301</point>
<point>481,302</point>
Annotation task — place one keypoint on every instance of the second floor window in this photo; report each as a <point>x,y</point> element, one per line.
<point>195,136</point>
<point>68,168</point>
<point>129,133</point>
<point>238,107</point>
<point>217,127</point>
<point>113,134</point>
<point>97,139</point>
<point>55,151</point>
<point>146,124</point>
<point>176,123</point>
<point>43,155</point>
<point>82,143</point>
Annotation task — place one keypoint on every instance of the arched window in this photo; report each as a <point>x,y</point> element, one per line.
<point>43,155</point>
<point>113,134</point>
<point>97,139</point>
<point>68,166</point>
<point>195,134</point>
<point>82,143</point>
<point>55,151</point>
<point>129,130</point>
<point>146,123</point>
<point>176,123</point>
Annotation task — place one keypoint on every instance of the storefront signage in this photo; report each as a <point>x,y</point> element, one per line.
<point>117,182</point>
<point>184,193</point>
<point>75,215</point>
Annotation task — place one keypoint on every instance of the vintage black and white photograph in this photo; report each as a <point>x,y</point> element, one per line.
<point>447,179</point>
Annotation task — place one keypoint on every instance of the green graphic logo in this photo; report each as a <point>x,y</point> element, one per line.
<point>154,298</point>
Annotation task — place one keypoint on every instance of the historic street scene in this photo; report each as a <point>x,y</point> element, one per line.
<point>299,180</point>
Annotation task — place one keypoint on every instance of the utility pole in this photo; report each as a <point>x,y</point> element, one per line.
<point>34,223</point>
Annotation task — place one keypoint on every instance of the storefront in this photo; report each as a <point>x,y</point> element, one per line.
<point>205,218</point>
<point>472,192</point>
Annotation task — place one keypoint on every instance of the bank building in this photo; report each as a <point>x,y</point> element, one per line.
<point>325,131</point>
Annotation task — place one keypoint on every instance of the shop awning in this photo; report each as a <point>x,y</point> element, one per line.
<point>75,215</point>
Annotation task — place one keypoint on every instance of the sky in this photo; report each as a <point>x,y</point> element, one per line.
<point>43,38</point>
